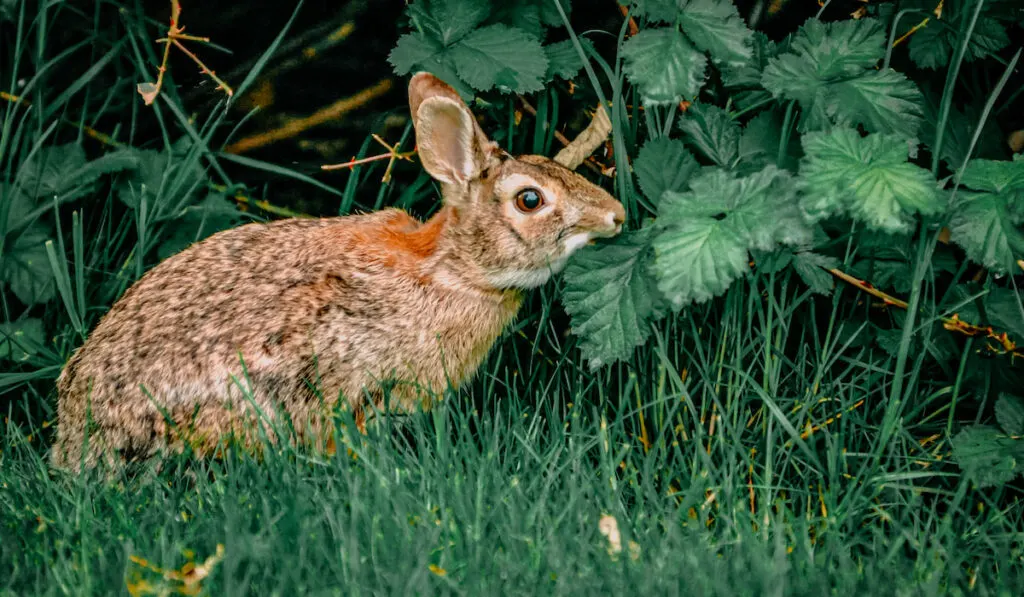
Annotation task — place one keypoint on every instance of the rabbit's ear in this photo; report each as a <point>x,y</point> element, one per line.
<point>451,145</point>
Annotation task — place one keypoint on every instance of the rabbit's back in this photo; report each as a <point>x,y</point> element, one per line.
<point>333,305</point>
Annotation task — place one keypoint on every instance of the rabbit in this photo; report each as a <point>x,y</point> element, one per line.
<point>280,321</point>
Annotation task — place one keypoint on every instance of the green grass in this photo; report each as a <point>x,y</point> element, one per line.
<point>760,444</point>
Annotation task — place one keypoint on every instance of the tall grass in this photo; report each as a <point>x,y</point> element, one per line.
<point>752,447</point>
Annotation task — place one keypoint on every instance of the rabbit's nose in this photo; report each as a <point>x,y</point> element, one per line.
<point>616,217</point>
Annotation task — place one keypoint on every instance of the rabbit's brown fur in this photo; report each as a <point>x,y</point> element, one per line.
<point>320,309</point>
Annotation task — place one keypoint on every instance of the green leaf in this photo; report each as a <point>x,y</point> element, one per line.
<point>663,65</point>
<point>51,170</point>
<point>759,143</point>
<point>830,72</point>
<point>745,80</point>
<point>930,46</point>
<point>664,165</point>
<point>867,178</point>
<point>25,267</point>
<point>167,179</point>
<point>448,21</point>
<point>884,101</point>
<point>987,454</point>
<point>19,340</point>
<point>611,297</point>
<point>1010,414</point>
<point>811,267</point>
<point>983,226</point>
<point>1003,310</point>
<point>563,59</point>
<point>549,14</point>
<point>715,26</point>
<point>959,132</point>
<point>705,234</point>
<point>500,56</point>
<point>412,50</point>
<point>710,130</point>
<point>521,14</point>
<point>665,11</point>
<point>995,176</point>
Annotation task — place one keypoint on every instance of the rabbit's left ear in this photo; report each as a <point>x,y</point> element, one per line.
<point>451,145</point>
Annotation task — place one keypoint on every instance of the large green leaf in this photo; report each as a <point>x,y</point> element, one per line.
<point>25,267</point>
<point>867,178</point>
<point>983,225</point>
<point>19,340</point>
<point>987,454</point>
<point>448,21</point>
<point>995,176</point>
<point>663,65</point>
<point>830,71</point>
<point>1010,414</point>
<point>744,80</point>
<point>612,297</point>
<point>710,130</point>
<point>706,233</point>
<point>884,101</point>
<point>664,165</point>
<point>500,56</point>
<point>715,26</point>
<point>563,59</point>
<point>412,50</point>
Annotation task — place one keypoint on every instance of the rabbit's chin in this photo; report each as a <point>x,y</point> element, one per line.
<point>526,278</point>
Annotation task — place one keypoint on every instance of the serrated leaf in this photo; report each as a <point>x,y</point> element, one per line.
<point>759,143</point>
<point>812,269</point>
<point>412,50</point>
<point>1003,310</point>
<point>25,267</point>
<point>710,130</point>
<point>19,340</point>
<point>958,133</point>
<point>715,26</point>
<point>563,59</point>
<point>884,101</point>
<point>744,80</point>
<point>697,260</point>
<point>930,46</point>
<point>987,454</point>
<point>933,45</point>
<point>995,176</point>
<point>51,170</point>
<point>500,56</point>
<point>830,72</point>
<point>663,65</point>
<point>612,297</point>
<point>167,179</point>
<point>706,233</point>
<point>549,14</point>
<point>983,226</point>
<point>867,178</point>
<point>448,21</point>
<point>664,11</point>
<point>521,14</point>
<point>664,165</point>
<point>1010,414</point>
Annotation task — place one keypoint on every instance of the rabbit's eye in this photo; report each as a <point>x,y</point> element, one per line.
<point>528,200</point>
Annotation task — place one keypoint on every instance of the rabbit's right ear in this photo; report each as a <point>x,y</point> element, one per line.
<point>451,146</point>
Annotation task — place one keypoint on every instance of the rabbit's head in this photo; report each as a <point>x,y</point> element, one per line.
<point>518,219</point>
